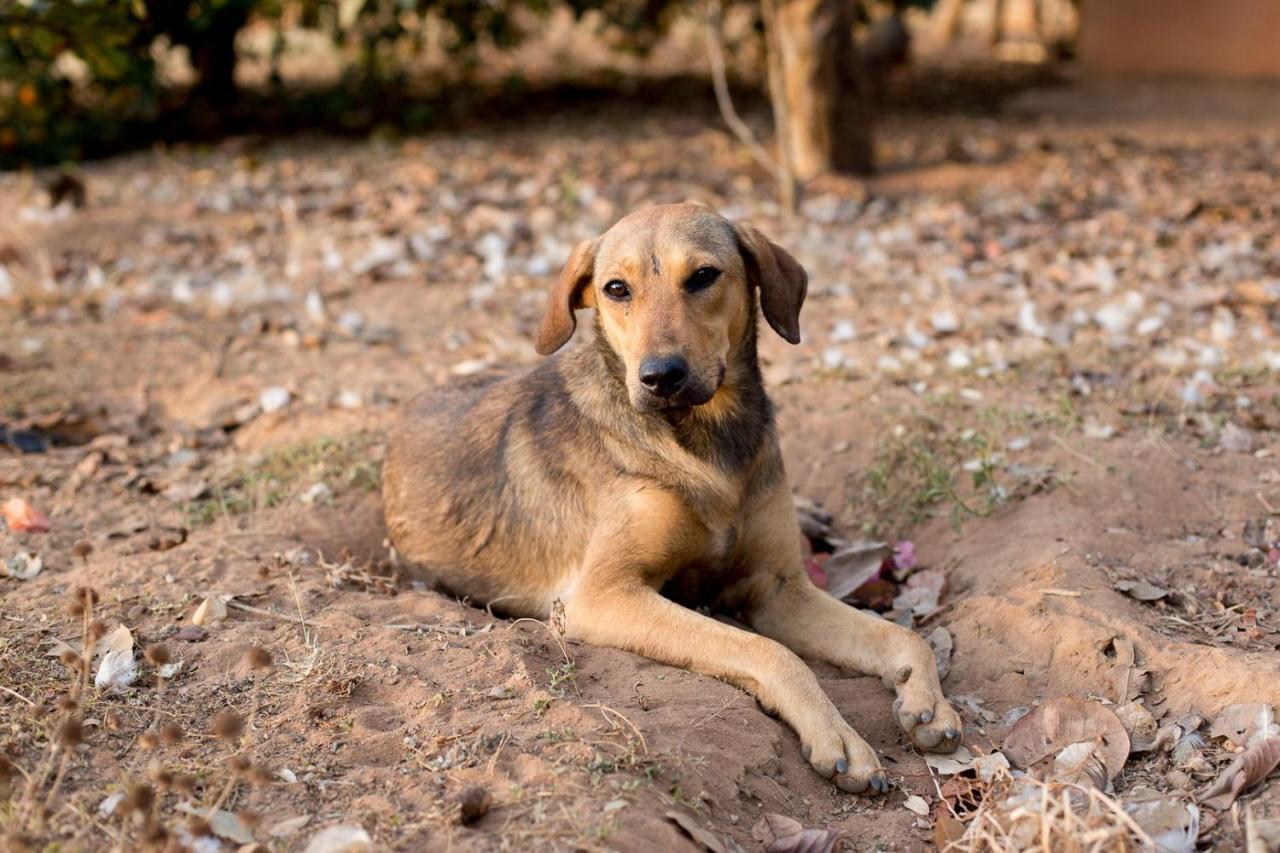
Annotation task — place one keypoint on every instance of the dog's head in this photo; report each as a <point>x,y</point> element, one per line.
<point>674,287</point>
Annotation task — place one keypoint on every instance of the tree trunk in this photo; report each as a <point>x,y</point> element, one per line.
<point>814,68</point>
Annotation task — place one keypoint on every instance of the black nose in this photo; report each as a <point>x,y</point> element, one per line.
<point>664,375</point>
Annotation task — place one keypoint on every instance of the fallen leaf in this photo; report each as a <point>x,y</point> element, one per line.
<point>1241,723</point>
<point>704,837</point>
<point>781,834</point>
<point>1080,764</point>
<point>904,555</point>
<point>211,611</point>
<point>23,566</point>
<point>1236,439</point>
<point>1141,590</point>
<point>117,671</point>
<point>1250,767</point>
<point>1172,824</point>
<point>942,644</point>
<point>1057,724</point>
<point>947,830</point>
<point>191,634</point>
<point>340,839</point>
<point>119,640</point>
<point>22,517</point>
<point>1140,724</point>
<point>854,565</point>
<point>289,826</point>
<point>224,824</point>
<point>947,765</point>
<point>916,803</point>
<point>990,766</point>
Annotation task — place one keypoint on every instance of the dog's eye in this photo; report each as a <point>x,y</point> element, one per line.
<point>702,278</point>
<point>617,291</point>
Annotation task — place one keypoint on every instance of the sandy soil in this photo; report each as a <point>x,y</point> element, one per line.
<point>1122,427</point>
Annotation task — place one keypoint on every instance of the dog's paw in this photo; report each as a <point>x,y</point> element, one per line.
<point>838,753</point>
<point>925,714</point>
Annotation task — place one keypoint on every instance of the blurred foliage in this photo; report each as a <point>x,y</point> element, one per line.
<point>79,77</point>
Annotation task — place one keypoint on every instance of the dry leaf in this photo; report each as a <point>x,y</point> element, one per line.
<point>22,517</point>
<point>702,836</point>
<point>916,803</point>
<point>942,644</point>
<point>781,834</point>
<point>1172,824</point>
<point>224,824</point>
<point>119,640</point>
<point>1241,723</point>
<point>1140,725</point>
<point>212,610</point>
<point>340,839</point>
<point>1080,764</point>
<point>117,671</point>
<point>1141,590</point>
<point>1250,767</point>
<point>289,826</point>
<point>947,765</point>
<point>23,566</point>
<point>1057,724</point>
<point>853,565</point>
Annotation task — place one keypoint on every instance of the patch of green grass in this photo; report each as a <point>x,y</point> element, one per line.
<point>342,462</point>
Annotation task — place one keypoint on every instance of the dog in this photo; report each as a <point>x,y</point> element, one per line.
<point>638,476</point>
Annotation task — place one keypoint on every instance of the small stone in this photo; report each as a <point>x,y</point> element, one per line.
<point>274,399</point>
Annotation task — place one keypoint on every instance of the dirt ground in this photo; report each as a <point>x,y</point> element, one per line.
<point>1043,348</point>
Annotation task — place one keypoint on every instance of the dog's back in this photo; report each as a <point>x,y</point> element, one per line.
<point>480,491</point>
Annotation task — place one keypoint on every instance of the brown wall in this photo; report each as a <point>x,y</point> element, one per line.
<point>1227,38</point>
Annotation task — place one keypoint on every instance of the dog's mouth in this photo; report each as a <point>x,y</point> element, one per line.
<point>697,391</point>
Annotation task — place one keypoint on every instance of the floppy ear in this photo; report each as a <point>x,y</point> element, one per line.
<point>567,296</point>
<point>781,280</point>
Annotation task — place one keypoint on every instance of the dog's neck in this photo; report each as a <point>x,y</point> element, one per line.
<point>726,431</point>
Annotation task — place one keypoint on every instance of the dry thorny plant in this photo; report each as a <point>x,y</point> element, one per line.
<point>157,805</point>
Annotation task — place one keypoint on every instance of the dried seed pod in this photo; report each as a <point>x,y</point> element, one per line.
<point>199,827</point>
<point>250,819</point>
<point>39,712</point>
<point>148,741</point>
<point>185,784</point>
<point>140,798</point>
<point>82,549</point>
<point>259,658</point>
<point>71,732</point>
<point>157,654</point>
<point>162,776</point>
<point>76,608</point>
<point>97,630</point>
<point>112,721</point>
<point>239,762</point>
<point>227,725</point>
<point>171,733</point>
<point>259,775</point>
<point>6,769</point>
<point>66,703</point>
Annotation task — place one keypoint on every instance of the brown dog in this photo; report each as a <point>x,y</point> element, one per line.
<point>640,475</point>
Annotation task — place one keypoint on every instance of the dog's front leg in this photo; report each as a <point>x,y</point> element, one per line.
<point>615,602</point>
<point>778,600</point>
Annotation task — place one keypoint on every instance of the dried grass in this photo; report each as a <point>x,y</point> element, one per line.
<point>1026,814</point>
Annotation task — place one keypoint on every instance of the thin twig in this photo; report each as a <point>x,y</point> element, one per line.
<point>720,83</point>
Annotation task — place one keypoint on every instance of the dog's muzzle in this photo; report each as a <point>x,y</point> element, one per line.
<point>667,382</point>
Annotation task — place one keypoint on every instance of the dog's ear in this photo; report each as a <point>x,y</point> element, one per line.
<point>566,297</point>
<point>781,280</point>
